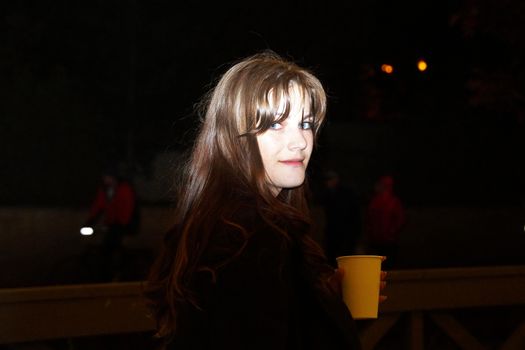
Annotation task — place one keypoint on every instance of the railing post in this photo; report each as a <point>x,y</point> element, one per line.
<point>377,330</point>
<point>416,331</point>
<point>516,339</point>
<point>456,331</point>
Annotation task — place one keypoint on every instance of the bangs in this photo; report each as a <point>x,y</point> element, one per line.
<point>273,104</point>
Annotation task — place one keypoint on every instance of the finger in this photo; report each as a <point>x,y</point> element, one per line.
<point>383,258</point>
<point>383,275</point>
<point>336,278</point>
<point>334,281</point>
<point>382,298</point>
<point>382,286</point>
<point>341,270</point>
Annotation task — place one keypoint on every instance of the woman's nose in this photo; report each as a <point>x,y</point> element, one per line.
<point>297,139</point>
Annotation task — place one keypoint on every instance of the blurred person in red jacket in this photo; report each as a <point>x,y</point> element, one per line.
<point>115,207</point>
<point>385,218</point>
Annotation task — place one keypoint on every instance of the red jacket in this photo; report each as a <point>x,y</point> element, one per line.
<point>119,209</point>
<point>385,217</point>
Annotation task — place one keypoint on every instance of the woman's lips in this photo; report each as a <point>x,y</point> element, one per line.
<point>292,162</point>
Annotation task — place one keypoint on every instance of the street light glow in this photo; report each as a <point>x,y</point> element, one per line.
<point>387,68</point>
<point>422,65</point>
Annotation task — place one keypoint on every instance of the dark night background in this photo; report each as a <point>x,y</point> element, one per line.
<point>87,82</point>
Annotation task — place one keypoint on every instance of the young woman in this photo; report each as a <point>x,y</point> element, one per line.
<point>239,270</point>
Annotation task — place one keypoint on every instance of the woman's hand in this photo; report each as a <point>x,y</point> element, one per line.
<point>336,279</point>
<point>382,284</point>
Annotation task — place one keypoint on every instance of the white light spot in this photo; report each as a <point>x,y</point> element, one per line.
<point>86,231</point>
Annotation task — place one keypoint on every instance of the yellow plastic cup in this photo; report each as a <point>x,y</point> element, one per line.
<point>361,284</point>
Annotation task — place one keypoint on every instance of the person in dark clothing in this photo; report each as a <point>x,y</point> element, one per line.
<point>342,218</point>
<point>239,269</point>
<point>115,207</point>
<point>261,299</point>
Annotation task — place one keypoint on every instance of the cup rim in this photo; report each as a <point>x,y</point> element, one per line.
<point>359,256</point>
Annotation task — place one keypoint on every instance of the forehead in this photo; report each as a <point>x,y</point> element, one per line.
<point>294,98</point>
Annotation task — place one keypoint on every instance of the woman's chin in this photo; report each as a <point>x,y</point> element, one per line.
<point>292,184</point>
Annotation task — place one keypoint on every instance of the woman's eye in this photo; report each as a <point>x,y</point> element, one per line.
<point>275,126</point>
<point>307,125</point>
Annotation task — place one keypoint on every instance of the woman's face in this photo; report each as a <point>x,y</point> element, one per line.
<point>286,147</point>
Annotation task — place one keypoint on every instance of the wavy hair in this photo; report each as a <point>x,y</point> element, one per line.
<point>226,165</point>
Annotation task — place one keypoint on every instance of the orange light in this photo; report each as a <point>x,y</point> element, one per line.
<point>388,69</point>
<point>422,65</point>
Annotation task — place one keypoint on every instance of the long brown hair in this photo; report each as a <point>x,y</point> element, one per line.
<point>225,164</point>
